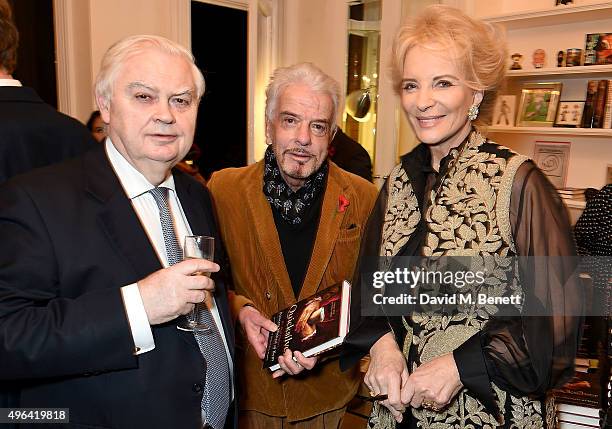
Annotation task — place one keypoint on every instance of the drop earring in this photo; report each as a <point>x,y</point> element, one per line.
<point>473,112</point>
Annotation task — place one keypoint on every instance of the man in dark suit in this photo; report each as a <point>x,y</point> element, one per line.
<point>92,286</point>
<point>349,155</point>
<point>32,133</point>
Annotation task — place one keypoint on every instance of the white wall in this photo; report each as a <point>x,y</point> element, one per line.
<point>112,20</point>
<point>87,28</point>
<point>316,31</point>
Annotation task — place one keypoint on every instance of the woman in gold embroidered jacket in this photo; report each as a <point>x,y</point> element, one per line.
<point>458,193</point>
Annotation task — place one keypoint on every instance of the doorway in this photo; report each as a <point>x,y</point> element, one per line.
<point>219,45</point>
<point>36,51</point>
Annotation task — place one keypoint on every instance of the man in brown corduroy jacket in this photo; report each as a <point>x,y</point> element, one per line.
<point>291,225</point>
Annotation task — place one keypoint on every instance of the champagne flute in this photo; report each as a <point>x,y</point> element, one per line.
<point>197,247</point>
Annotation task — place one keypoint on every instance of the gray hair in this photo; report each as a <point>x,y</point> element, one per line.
<point>305,74</point>
<point>125,48</point>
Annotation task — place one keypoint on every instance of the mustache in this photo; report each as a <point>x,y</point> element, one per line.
<point>298,150</point>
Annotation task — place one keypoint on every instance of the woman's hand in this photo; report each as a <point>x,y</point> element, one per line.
<point>388,374</point>
<point>435,383</point>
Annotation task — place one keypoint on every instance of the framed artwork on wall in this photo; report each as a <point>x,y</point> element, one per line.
<point>505,111</point>
<point>553,159</point>
<point>538,105</point>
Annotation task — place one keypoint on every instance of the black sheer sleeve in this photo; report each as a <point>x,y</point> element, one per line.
<point>531,354</point>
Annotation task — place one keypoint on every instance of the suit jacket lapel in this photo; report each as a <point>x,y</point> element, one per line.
<point>117,216</point>
<point>265,230</point>
<point>327,233</point>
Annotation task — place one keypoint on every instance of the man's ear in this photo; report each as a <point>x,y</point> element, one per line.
<point>268,132</point>
<point>104,107</point>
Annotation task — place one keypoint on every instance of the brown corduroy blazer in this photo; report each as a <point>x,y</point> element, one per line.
<point>260,277</point>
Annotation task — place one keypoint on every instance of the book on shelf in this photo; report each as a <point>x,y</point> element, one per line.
<point>568,425</point>
<point>597,49</point>
<point>607,121</point>
<point>594,421</point>
<point>599,104</point>
<point>578,410</point>
<point>589,104</point>
<point>572,193</point>
<point>597,112</point>
<point>312,326</point>
<point>583,390</point>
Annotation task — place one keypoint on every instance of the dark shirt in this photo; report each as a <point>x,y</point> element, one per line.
<point>298,240</point>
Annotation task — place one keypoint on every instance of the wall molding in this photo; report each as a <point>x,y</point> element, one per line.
<point>63,46</point>
<point>71,19</point>
<point>180,22</point>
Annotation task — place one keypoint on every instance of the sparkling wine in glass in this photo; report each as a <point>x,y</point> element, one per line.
<point>197,247</point>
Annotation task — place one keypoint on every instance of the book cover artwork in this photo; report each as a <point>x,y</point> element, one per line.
<point>311,326</point>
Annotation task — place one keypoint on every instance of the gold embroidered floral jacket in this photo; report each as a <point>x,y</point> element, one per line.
<point>487,202</point>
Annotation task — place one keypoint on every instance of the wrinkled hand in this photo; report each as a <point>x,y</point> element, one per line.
<point>174,291</point>
<point>257,328</point>
<point>294,363</point>
<point>436,381</point>
<point>388,374</point>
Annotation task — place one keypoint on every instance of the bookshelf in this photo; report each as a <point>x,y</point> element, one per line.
<point>551,131</point>
<point>537,24</point>
<point>584,72</point>
<point>546,16</point>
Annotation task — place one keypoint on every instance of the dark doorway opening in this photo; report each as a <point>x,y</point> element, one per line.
<point>219,44</point>
<point>36,52</point>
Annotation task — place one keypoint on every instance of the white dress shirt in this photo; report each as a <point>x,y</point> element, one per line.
<point>137,188</point>
<point>9,82</point>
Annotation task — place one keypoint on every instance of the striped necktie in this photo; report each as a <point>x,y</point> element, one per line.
<point>216,398</point>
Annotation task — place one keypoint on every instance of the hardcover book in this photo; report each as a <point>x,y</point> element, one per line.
<point>578,410</point>
<point>599,104</point>
<point>589,105</point>
<point>598,49</point>
<point>579,419</point>
<point>311,326</point>
<point>584,391</point>
<point>607,121</point>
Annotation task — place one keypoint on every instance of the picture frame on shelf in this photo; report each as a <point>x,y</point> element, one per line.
<point>609,174</point>
<point>552,158</point>
<point>505,111</point>
<point>538,104</point>
<point>569,114</point>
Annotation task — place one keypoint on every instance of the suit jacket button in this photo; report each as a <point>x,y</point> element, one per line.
<point>268,295</point>
<point>197,388</point>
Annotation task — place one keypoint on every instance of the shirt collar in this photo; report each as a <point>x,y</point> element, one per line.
<point>9,82</point>
<point>133,182</point>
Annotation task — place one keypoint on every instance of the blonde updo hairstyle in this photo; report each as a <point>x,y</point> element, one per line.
<point>478,48</point>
